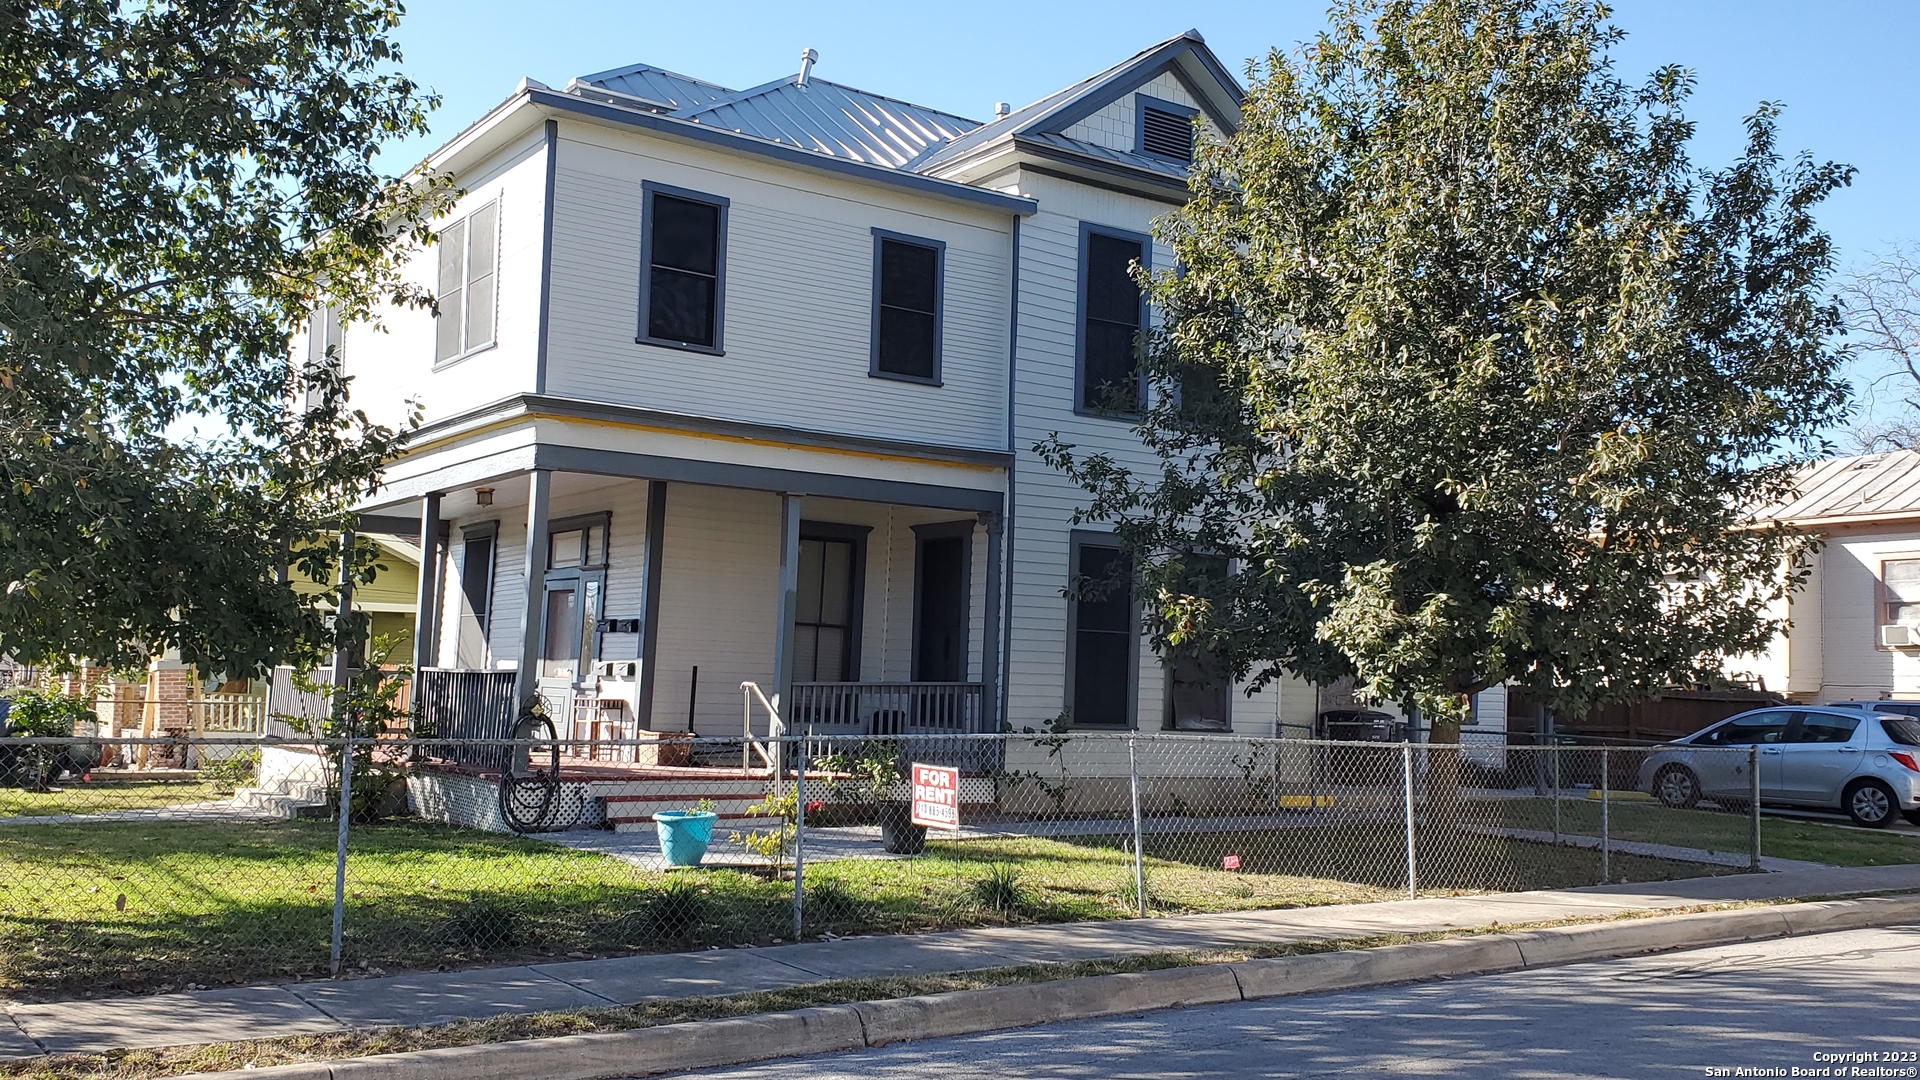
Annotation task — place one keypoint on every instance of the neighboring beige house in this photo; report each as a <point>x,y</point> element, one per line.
<point>1855,626</point>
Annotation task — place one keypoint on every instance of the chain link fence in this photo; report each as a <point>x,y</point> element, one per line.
<point>154,864</point>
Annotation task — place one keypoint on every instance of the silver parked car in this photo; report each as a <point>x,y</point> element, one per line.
<point>1843,757</point>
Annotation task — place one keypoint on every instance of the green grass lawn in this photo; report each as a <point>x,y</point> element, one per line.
<point>1714,830</point>
<point>147,905</point>
<point>72,796</point>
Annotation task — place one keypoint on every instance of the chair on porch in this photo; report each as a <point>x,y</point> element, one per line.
<point>597,721</point>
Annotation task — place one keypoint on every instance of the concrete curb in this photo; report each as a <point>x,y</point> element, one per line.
<point>711,1043</point>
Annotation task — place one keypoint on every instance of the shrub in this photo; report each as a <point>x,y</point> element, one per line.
<point>1001,891</point>
<point>229,774</point>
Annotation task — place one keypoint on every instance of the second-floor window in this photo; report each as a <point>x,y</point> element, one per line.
<point>466,284</point>
<point>906,307</point>
<point>683,250</point>
<point>1901,579</point>
<point>1112,314</point>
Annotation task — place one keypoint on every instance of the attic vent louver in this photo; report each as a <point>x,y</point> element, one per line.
<point>1166,134</point>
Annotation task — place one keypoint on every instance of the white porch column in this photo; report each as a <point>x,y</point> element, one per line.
<point>789,590</point>
<point>533,576</point>
<point>426,614</point>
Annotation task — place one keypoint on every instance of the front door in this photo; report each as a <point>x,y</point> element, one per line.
<point>940,616</point>
<point>1820,753</point>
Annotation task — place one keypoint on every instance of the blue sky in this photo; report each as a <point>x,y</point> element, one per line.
<point>1843,69</point>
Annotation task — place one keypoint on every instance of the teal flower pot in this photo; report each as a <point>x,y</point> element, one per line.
<point>684,835</point>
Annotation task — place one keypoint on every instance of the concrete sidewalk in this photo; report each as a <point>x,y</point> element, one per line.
<point>98,1025</point>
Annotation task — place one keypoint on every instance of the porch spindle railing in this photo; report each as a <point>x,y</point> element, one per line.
<point>901,708</point>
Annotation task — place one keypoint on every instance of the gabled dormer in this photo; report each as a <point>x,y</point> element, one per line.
<point>1131,123</point>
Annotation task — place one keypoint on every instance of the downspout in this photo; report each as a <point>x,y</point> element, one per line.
<point>546,261</point>
<point>1006,579</point>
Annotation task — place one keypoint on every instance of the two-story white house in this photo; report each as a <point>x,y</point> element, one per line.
<point>743,385</point>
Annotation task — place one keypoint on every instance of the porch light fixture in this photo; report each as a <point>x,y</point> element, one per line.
<point>483,496</point>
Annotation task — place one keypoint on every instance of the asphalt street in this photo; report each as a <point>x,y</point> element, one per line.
<point>1764,1006</point>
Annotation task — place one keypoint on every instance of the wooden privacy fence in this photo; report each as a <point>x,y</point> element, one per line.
<point>1673,715</point>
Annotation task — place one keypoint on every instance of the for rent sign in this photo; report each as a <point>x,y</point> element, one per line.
<point>936,796</point>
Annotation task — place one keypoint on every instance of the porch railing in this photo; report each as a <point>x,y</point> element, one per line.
<point>904,708</point>
<point>454,704</point>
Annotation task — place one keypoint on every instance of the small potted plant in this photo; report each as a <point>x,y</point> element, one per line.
<point>685,834</point>
<point>877,769</point>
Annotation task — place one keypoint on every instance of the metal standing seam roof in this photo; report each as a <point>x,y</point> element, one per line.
<point>1867,486</point>
<point>836,120</point>
<point>657,84</point>
<point>840,121</point>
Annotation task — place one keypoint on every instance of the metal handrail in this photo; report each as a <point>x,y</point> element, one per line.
<point>775,729</point>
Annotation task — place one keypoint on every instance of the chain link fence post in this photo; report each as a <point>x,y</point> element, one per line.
<point>1553,754</point>
<point>1606,837</point>
<point>1753,805</point>
<point>1139,864</point>
<point>799,837</point>
<point>1406,788</point>
<point>345,814</point>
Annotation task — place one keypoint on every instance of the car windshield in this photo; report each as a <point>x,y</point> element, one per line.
<point>1904,730</point>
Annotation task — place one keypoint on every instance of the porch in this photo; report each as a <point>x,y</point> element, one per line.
<point>642,608</point>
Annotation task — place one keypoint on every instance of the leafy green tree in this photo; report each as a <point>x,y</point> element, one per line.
<point>181,184</point>
<point>1473,374</point>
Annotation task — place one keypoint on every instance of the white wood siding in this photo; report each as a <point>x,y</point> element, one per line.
<point>1044,398</point>
<point>393,361</point>
<point>798,296</point>
<point>1852,662</point>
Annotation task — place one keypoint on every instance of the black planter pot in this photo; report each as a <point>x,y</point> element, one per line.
<point>898,834</point>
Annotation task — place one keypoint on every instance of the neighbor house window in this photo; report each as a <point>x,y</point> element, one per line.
<point>828,596</point>
<point>466,284</point>
<point>476,593</point>
<point>1112,314</point>
<point>1100,635</point>
<point>683,253</point>
<point>906,306</point>
<point>1165,129</point>
<point>1901,580</point>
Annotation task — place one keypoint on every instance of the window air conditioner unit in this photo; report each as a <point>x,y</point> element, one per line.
<point>1900,636</point>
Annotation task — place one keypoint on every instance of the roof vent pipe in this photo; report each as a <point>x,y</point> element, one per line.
<point>806,65</point>
<point>1002,110</point>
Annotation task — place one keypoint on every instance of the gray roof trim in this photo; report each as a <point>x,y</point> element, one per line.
<point>549,405</point>
<point>750,144</point>
<point>1058,109</point>
<point>1127,178</point>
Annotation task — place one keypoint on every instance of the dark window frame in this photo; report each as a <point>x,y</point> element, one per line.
<point>467,349</point>
<point>1883,597</point>
<point>939,249</point>
<point>857,603</point>
<point>1079,540</point>
<point>1167,662</point>
<point>648,189</point>
<point>1088,230</point>
<point>1141,103</point>
<point>602,520</point>
<point>943,530</point>
<point>490,532</point>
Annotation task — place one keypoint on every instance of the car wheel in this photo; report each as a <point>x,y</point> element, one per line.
<point>1870,804</point>
<point>1676,786</point>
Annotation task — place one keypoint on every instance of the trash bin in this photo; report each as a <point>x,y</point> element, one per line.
<point>1361,764</point>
